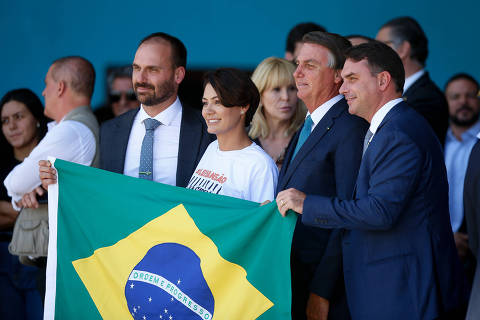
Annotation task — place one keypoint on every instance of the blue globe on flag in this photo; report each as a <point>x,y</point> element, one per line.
<point>168,284</point>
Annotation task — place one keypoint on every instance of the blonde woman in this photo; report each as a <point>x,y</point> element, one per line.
<point>280,113</point>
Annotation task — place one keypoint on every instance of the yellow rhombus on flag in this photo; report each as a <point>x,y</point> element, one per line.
<point>105,273</point>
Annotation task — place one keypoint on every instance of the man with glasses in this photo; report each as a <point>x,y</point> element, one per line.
<point>121,97</point>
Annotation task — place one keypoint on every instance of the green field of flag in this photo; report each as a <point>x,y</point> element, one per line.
<point>126,248</point>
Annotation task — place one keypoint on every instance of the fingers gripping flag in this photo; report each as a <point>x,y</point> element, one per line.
<point>125,248</point>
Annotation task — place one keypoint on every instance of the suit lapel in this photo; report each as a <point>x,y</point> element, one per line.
<point>400,107</point>
<point>317,134</point>
<point>286,163</point>
<point>119,140</point>
<point>395,110</point>
<point>188,148</point>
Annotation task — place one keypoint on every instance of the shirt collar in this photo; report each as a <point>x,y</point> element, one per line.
<point>165,117</point>
<point>320,112</point>
<point>471,133</point>
<point>51,125</point>
<point>411,79</point>
<point>381,113</point>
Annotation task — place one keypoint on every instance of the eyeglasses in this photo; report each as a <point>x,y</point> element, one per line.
<point>115,96</point>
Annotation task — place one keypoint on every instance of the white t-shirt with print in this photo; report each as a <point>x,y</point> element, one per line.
<point>248,174</point>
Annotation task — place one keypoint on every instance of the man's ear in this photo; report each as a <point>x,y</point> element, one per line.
<point>383,80</point>
<point>337,78</point>
<point>61,88</point>
<point>179,74</point>
<point>243,110</point>
<point>404,50</point>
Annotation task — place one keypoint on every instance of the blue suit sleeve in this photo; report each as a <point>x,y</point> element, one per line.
<point>393,169</point>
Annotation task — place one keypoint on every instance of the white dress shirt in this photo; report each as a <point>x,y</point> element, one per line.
<point>165,144</point>
<point>68,140</point>
<point>380,114</point>
<point>322,110</point>
<point>410,80</point>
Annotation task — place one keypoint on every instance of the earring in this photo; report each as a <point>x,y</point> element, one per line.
<point>38,124</point>
<point>242,112</point>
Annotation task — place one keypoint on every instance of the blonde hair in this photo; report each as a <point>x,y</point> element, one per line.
<point>270,73</point>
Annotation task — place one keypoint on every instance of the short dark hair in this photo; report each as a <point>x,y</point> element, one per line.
<point>407,29</point>
<point>33,104</point>
<point>464,76</point>
<point>77,72</point>
<point>298,31</point>
<point>179,52</point>
<point>335,43</point>
<point>380,57</point>
<point>118,72</point>
<point>234,89</point>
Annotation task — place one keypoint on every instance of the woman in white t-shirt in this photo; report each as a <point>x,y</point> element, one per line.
<point>233,165</point>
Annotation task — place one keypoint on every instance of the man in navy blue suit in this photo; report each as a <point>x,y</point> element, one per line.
<point>180,139</point>
<point>322,159</point>
<point>399,257</point>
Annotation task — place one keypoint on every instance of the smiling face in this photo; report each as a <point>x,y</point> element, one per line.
<point>360,89</point>
<point>221,120</point>
<point>280,102</point>
<point>19,126</point>
<point>315,80</point>
<point>155,78</point>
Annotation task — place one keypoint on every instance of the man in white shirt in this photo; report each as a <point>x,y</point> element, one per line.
<point>73,136</point>
<point>399,257</point>
<point>406,37</point>
<point>322,159</point>
<point>180,137</point>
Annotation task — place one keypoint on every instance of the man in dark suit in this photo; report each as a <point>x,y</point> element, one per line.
<point>407,38</point>
<point>324,163</point>
<point>399,257</point>
<point>181,137</point>
<point>471,202</point>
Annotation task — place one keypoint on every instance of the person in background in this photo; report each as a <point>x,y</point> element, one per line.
<point>406,37</point>
<point>23,126</point>
<point>121,97</point>
<point>233,165</point>
<point>294,38</point>
<point>280,113</point>
<point>461,92</point>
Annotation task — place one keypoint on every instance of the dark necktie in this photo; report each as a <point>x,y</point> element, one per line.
<point>145,171</point>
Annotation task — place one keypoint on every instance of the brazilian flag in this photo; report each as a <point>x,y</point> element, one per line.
<point>126,248</point>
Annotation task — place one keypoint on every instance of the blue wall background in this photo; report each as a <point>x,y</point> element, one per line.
<point>216,33</point>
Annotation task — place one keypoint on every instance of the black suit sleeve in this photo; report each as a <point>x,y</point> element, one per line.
<point>471,198</point>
